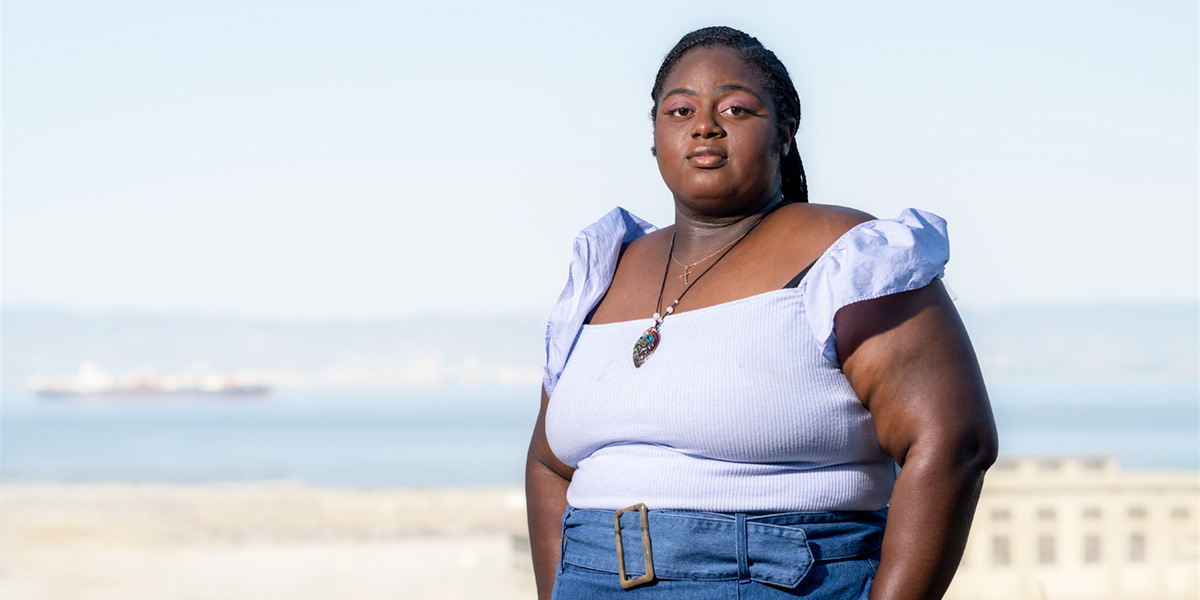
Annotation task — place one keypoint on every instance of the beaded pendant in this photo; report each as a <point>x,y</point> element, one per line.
<point>649,341</point>
<point>645,345</point>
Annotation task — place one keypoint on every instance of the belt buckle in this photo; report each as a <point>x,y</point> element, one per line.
<point>629,584</point>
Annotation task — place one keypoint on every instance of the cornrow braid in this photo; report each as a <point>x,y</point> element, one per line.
<point>774,76</point>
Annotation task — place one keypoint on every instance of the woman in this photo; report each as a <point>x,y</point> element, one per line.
<point>738,390</point>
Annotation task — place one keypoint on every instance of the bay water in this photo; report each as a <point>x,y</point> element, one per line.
<point>460,435</point>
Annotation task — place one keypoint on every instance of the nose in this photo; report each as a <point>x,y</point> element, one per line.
<point>706,125</point>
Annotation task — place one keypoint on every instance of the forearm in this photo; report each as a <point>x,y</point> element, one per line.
<point>545,501</point>
<point>929,517</point>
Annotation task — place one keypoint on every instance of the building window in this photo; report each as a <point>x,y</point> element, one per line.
<point>1137,547</point>
<point>1091,548</point>
<point>1001,550</point>
<point>1180,512</point>
<point>1091,513</point>
<point>1046,550</point>
<point>1049,466</point>
<point>1045,514</point>
<point>1001,514</point>
<point>1137,512</point>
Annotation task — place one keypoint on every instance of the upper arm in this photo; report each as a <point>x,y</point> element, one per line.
<point>539,447</point>
<point>908,357</point>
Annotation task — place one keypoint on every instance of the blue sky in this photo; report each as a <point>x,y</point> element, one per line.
<point>364,159</point>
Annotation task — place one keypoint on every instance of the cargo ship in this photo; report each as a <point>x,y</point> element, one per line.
<point>91,383</point>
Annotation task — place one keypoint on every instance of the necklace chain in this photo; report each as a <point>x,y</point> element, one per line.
<point>649,340</point>
<point>658,318</point>
<point>706,257</point>
<point>687,269</point>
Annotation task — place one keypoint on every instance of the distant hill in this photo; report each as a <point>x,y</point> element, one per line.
<point>1142,340</point>
<point>1156,340</point>
<point>282,352</point>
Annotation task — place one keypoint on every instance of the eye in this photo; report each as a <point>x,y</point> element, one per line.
<point>738,111</point>
<point>681,111</point>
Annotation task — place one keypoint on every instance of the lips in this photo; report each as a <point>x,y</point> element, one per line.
<point>707,157</point>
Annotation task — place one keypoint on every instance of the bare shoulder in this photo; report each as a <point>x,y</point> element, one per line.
<point>817,225</point>
<point>652,243</point>
<point>637,255</point>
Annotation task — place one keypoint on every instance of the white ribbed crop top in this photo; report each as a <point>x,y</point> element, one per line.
<point>743,407</point>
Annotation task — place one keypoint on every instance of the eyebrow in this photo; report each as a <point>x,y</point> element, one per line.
<point>721,89</point>
<point>686,91</point>
<point>738,88</point>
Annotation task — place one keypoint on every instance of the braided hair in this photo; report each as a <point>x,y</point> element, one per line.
<point>774,76</point>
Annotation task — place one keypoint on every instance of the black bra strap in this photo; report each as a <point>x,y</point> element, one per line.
<point>796,280</point>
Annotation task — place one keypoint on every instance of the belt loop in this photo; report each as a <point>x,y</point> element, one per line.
<point>743,559</point>
<point>562,549</point>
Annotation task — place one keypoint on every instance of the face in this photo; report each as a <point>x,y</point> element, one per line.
<point>717,137</point>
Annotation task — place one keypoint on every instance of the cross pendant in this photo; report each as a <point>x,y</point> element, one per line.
<point>686,271</point>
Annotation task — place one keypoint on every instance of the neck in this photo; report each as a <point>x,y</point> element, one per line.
<point>697,234</point>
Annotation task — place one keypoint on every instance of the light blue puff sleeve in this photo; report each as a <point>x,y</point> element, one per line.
<point>873,259</point>
<point>593,262</point>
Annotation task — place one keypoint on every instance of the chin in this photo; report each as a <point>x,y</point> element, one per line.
<point>719,200</point>
<point>716,204</point>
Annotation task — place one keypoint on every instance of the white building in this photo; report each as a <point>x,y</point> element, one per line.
<point>1080,529</point>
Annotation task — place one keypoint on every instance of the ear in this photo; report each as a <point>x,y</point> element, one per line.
<point>787,132</point>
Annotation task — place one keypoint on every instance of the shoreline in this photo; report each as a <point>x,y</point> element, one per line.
<point>60,541</point>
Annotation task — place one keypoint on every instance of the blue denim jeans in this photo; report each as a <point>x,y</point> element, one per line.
<point>702,555</point>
